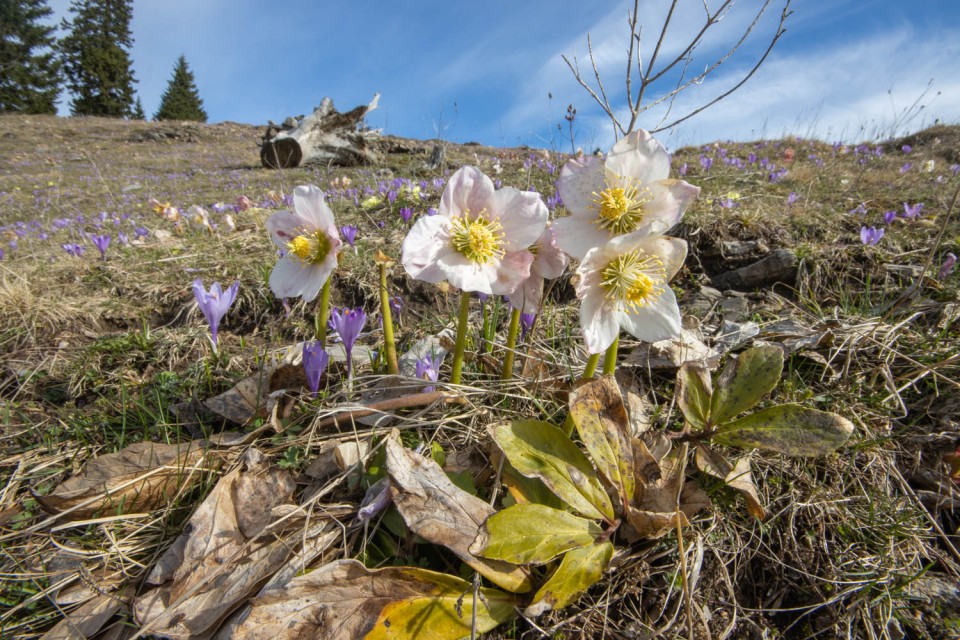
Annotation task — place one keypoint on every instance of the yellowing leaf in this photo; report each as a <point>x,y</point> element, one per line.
<point>526,490</point>
<point>533,534</point>
<point>344,600</point>
<point>578,571</point>
<point>694,390</point>
<point>789,429</point>
<point>442,513</point>
<point>138,478</point>
<point>602,422</point>
<point>744,381</point>
<point>541,450</point>
<point>738,476</point>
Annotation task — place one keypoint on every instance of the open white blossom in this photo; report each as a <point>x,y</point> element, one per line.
<point>627,192</point>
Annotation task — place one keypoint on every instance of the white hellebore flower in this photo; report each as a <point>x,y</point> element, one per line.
<point>309,238</point>
<point>624,284</point>
<point>548,263</point>
<point>626,192</point>
<point>477,240</point>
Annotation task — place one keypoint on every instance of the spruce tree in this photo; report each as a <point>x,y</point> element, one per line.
<point>29,70</point>
<point>181,100</point>
<point>138,113</point>
<point>96,57</point>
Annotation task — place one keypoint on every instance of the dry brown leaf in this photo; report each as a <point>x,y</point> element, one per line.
<point>141,477</point>
<point>344,600</point>
<point>87,619</point>
<point>739,476</point>
<point>674,352</point>
<point>441,513</point>
<point>218,561</point>
<point>654,512</point>
<point>255,397</point>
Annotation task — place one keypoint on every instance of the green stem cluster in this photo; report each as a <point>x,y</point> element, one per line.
<point>323,313</point>
<point>507,372</point>
<point>390,347</point>
<point>461,345</point>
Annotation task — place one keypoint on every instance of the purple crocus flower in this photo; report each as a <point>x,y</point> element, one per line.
<point>859,209</point>
<point>889,216</point>
<point>123,238</point>
<point>431,211</point>
<point>348,323</point>
<point>214,303</point>
<point>870,236</point>
<point>101,242</point>
<point>906,148</point>
<point>73,249</point>
<point>141,232</point>
<point>428,368</point>
<point>791,198</point>
<point>396,305</point>
<point>526,323</point>
<point>906,167</point>
<point>406,213</point>
<point>315,361</point>
<point>947,267</point>
<point>706,162</point>
<point>912,211</point>
<point>349,233</point>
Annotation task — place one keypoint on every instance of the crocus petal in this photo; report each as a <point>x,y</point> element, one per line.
<point>522,215</point>
<point>579,180</point>
<point>639,156</point>
<point>659,320</point>
<point>311,205</point>
<point>467,189</point>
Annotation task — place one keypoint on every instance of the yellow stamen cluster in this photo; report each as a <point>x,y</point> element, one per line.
<point>620,209</point>
<point>479,240</point>
<point>633,279</point>
<point>311,248</point>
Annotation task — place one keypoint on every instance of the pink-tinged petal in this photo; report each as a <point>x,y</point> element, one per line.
<point>428,237</point>
<point>467,189</point>
<point>659,320</point>
<point>528,295</point>
<point>291,278</point>
<point>579,180</point>
<point>311,204</point>
<point>465,274</point>
<point>598,321</point>
<point>639,156</point>
<point>550,261</point>
<point>284,226</point>
<point>576,236</point>
<point>511,271</point>
<point>670,198</point>
<point>671,251</point>
<point>522,215</point>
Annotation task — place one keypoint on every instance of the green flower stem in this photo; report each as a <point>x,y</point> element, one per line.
<point>320,320</point>
<point>390,346</point>
<point>461,345</point>
<point>591,367</point>
<point>610,358</point>
<point>511,345</point>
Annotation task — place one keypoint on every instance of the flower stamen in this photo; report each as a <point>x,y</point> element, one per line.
<point>311,248</point>
<point>479,240</point>
<point>633,280</point>
<point>621,209</point>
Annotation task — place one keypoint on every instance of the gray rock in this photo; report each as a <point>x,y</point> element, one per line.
<point>779,266</point>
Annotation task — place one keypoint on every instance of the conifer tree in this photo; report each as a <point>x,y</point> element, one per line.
<point>96,57</point>
<point>29,70</point>
<point>138,113</point>
<point>181,100</point>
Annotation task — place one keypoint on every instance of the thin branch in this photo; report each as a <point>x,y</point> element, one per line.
<point>749,75</point>
<point>644,82</point>
<point>575,69</point>
<point>596,73</point>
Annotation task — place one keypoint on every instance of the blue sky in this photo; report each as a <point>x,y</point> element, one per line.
<point>845,69</point>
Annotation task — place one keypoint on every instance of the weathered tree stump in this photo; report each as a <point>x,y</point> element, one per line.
<point>325,136</point>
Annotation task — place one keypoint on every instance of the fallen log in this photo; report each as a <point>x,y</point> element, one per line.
<point>326,136</point>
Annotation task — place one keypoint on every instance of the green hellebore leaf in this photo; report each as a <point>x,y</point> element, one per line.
<point>694,391</point>
<point>578,571</point>
<point>601,420</point>
<point>744,381</point>
<point>532,534</point>
<point>541,450</point>
<point>789,429</point>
